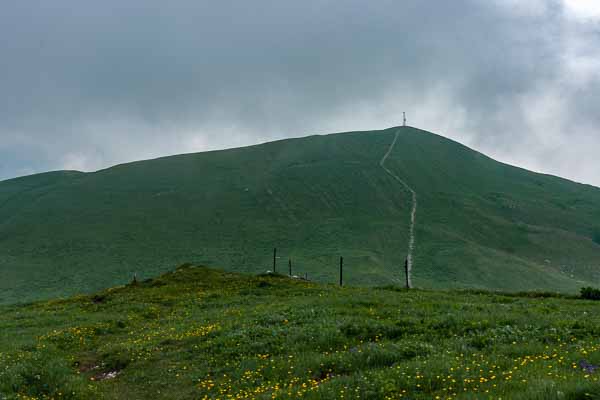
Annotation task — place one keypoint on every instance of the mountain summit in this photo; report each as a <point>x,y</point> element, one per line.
<point>475,222</point>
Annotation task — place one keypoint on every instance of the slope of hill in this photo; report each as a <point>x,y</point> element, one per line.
<point>198,333</point>
<point>480,223</point>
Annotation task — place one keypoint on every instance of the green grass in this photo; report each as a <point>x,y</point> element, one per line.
<point>199,333</point>
<point>480,223</point>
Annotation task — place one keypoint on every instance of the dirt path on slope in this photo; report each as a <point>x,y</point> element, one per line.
<point>413,214</point>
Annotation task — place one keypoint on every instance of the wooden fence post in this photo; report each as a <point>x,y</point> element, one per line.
<point>341,271</point>
<point>406,273</point>
<point>275,260</point>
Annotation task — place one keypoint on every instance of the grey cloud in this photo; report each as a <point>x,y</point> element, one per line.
<point>89,84</point>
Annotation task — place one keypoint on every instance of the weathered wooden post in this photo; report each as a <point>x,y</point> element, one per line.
<point>290,266</point>
<point>306,276</point>
<point>406,273</point>
<point>341,271</point>
<point>275,260</point>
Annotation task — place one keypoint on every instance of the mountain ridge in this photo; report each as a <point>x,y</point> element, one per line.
<point>125,163</point>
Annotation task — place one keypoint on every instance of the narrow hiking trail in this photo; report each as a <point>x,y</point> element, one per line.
<point>413,214</point>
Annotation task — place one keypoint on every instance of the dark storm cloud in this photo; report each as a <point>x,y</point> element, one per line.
<point>87,84</point>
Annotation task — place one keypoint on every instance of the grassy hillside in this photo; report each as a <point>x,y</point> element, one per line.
<point>480,223</point>
<point>197,333</point>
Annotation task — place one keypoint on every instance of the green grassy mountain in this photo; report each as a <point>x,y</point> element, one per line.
<point>479,223</point>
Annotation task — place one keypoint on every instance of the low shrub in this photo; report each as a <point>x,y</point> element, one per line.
<point>590,293</point>
<point>596,236</point>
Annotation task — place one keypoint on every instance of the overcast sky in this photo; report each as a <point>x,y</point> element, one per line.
<point>88,84</point>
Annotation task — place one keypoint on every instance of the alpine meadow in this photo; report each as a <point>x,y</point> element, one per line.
<point>495,253</point>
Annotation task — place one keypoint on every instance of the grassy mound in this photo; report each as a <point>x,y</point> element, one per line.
<point>198,333</point>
